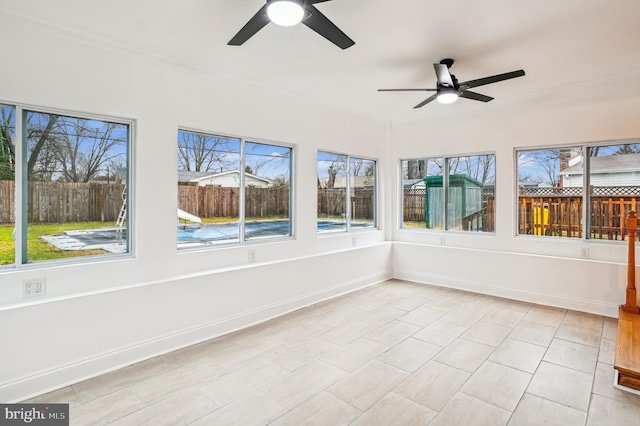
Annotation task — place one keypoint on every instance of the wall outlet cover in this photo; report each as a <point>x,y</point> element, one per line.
<point>34,287</point>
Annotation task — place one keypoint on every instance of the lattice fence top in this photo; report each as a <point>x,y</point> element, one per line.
<point>615,190</point>
<point>487,192</point>
<point>415,191</point>
<point>577,191</point>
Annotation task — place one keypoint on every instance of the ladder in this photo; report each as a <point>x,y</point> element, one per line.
<point>122,216</point>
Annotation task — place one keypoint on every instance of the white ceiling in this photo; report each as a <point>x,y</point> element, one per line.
<point>586,48</point>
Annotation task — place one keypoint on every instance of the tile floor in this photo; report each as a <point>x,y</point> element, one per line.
<point>396,353</point>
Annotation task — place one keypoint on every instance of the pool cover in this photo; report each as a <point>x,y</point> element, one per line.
<point>114,240</point>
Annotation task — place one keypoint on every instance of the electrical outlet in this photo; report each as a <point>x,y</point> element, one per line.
<point>252,255</point>
<point>34,287</point>
<point>584,252</point>
<point>441,241</point>
<point>353,241</point>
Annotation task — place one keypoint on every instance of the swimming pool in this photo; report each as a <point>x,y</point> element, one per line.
<point>114,240</point>
<point>215,232</point>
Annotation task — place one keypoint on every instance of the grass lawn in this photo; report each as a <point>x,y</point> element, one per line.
<point>39,249</point>
<point>413,225</point>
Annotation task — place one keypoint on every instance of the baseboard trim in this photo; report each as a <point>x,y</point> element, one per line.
<point>583,305</point>
<point>47,381</point>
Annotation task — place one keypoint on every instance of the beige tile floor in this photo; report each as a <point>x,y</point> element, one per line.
<point>396,353</point>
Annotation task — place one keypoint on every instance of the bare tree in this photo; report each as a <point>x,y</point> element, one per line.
<point>281,181</point>
<point>7,146</point>
<point>203,153</point>
<point>480,168</point>
<point>454,165</point>
<point>270,165</point>
<point>334,168</point>
<point>627,149</point>
<point>356,166</point>
<point>416,169</point>
<point>40,127</point>
<point>548,162</point>
<point>82,148</point>
<point>370,169</point>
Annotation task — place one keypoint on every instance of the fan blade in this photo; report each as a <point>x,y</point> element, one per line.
<point>426,101</point>
<point>254,25</point>
<point>317,1</point>
<point>475,96</point>
<point>327,29</point>
<point>444,78</point>
<point>493,79</point>
<point>407,90</point>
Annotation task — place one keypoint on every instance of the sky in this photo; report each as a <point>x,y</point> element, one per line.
<point>265,160</point>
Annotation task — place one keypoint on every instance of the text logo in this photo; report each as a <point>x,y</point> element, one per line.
<point>34,414</point>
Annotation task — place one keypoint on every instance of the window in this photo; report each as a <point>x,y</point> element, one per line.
<point>332,192</point>
<point>346,193</point>
<point>267,183</point>
<point>470,193</point>
<point>7,185</point>
<point>614,188</point>
<point>215,173</point>
<point>69,178</point>
<point>362,193</point>
<point>550,192</point>
<point>551,195</point>
<point>416,175</point>
<point>462,199</point>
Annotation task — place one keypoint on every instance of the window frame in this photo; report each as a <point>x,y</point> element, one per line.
<point>445,193</point>
<point>585,148</point>
<point>516,191</point>
<point>348,213</point>
<point>241,240</point>
<point>21,182</point>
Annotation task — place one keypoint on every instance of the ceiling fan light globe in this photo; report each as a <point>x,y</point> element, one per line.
<point>286,13</point>
<point>447,97</point>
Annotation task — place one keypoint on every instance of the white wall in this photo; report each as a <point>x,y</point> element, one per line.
<point>630,178</point>
<point>543,270</point>
<point>101,315</point>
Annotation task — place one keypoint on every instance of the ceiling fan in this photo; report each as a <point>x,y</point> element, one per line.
<point>289,13</point>
<point>448,90</point>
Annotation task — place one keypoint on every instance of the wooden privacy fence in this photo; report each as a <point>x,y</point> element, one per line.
<point>7,201</point>
<point>216,201</point>
<point>54,202</point>
<point>332,202</point>
<point>414,205</point>
<point>209,201</point>
<point>561,215</point>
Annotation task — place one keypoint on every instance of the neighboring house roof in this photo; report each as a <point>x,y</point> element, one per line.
<point>341,182</point>
<point>189,176</point>
<point>608,164</point>
<point>412,183</point>
<point>523,184</point>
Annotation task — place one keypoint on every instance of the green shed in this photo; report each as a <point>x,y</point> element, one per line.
<point>465,199</point>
